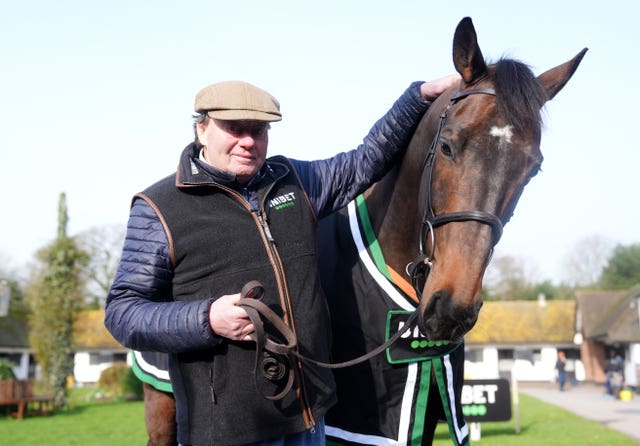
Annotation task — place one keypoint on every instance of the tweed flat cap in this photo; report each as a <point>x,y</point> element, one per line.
<point>237,100</point>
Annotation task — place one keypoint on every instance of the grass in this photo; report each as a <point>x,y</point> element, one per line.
<point>121,423</point>
<point>542,424</point>
<point>87,423</point>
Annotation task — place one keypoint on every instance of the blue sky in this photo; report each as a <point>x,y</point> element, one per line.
<point>96,100</point>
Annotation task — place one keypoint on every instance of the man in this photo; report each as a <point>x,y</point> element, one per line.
<point>561,365</point>
<point>228,216</point>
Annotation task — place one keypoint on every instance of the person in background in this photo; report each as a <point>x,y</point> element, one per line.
<point>227,216</point>
<point>561,365</point>
<point>614,372</point>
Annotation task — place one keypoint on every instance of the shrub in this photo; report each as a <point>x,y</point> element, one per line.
<point>6,369</point>
<point>120,382</point>
<point>132,386</point>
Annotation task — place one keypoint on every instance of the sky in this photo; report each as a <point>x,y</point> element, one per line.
<point>96,100</point>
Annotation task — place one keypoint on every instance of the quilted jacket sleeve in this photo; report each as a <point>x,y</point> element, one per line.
<point>140,313</point>
<point>332,183</point>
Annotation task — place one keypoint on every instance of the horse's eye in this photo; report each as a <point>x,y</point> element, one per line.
<point>446,150</point>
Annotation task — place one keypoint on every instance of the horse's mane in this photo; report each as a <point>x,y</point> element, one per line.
<point>519,94</point>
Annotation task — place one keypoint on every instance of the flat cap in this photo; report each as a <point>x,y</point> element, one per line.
<point>237,100</point>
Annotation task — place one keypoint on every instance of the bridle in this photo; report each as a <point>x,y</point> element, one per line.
<point>275,359</point>
<point>419,268</point>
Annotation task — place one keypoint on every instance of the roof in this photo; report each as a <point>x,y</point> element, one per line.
<point>609,316</point>
<point>89,332</point>
<point>524,322</point>
<point>14,333</point>
<point>601,315</point>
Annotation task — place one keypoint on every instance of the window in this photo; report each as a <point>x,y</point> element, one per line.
<point>100,358</point>
<point>473,354</point>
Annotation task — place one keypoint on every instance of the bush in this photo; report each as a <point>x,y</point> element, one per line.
<point>6,369</point>
<point>120,382</point>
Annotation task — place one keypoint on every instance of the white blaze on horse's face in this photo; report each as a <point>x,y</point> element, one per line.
<point>503,133</point>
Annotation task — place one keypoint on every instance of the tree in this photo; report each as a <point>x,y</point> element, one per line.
<point>509,278</point>
<point>55,296</point>
<point>16,305</point>
<point>586,260</point>
<point>103,245</point>
<point>10,285</point>
<point>506,279</point>
<point>623,268</point>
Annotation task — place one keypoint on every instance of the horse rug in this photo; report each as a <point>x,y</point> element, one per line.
<point>388,399</point>
<point>152,368</point>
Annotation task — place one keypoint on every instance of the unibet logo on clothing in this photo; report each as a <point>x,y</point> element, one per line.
<point>283,201</point>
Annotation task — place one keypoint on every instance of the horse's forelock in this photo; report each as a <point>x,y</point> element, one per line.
<point>519,94</point>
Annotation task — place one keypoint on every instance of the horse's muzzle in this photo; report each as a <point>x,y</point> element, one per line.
<point>441,319</point>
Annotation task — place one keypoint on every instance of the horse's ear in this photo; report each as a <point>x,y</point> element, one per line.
<point>554,79</point>
<point>467,57</point>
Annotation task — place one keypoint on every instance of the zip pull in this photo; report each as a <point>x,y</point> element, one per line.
<point>265,227</point>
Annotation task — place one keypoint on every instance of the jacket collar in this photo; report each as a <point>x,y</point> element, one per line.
<point>194,172</point>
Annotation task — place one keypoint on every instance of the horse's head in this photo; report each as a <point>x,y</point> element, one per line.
<point>475,150</point>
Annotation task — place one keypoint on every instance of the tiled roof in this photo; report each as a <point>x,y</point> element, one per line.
<point>603,315</point>
<point>14,333</point>
<point>609,316</point>
<point>89,334</point>
<point>524,322</point>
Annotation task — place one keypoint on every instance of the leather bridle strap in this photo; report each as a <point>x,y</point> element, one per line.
<point>258,310</point>
<point>270,355</point>
<point>479,216</point>
<point>376,351</point>
<point>270,352</point>
<point>420,267</point>
<point>274,368</point>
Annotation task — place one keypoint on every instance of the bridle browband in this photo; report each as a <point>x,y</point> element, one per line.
<point>419,268</point>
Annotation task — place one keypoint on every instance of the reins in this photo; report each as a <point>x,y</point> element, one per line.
<point>276,359</point>
<point>418,270</point>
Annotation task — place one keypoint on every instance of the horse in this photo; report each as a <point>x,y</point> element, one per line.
<point>152,369</point>
<point>426,232</point>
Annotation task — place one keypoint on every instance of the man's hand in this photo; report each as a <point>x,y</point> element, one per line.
<point>432,89</point>
<point>228,320</point>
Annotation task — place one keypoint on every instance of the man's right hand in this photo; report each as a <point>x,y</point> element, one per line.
<point>229,320</point>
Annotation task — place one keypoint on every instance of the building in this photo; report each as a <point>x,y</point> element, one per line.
<point>522,339</point>
<point>96,348</point>
<point>609,323</point>
<point>518,339</point>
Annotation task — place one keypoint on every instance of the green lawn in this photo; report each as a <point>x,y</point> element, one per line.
<point>542,424</point>
<point>121,423</point>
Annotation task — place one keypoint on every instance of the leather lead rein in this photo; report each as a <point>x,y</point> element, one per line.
<point>275,359</point>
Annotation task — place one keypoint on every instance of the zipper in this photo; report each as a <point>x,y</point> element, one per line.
<point>274,256</point>
<point>286,303</point>
<point>265,227</point>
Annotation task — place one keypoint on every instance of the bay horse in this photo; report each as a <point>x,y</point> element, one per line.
<point>426,232</point>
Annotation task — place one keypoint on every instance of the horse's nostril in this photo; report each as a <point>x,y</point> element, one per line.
<point>443,320</point>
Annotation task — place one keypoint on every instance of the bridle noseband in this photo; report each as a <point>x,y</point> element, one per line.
<point>419,268</point>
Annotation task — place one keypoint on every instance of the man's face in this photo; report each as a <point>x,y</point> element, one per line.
<point>237,147</point>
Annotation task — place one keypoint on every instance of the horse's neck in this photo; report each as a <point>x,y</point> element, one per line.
<point>393,209</point>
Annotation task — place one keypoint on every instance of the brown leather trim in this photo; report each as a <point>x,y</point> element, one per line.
<point>164,224</point>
